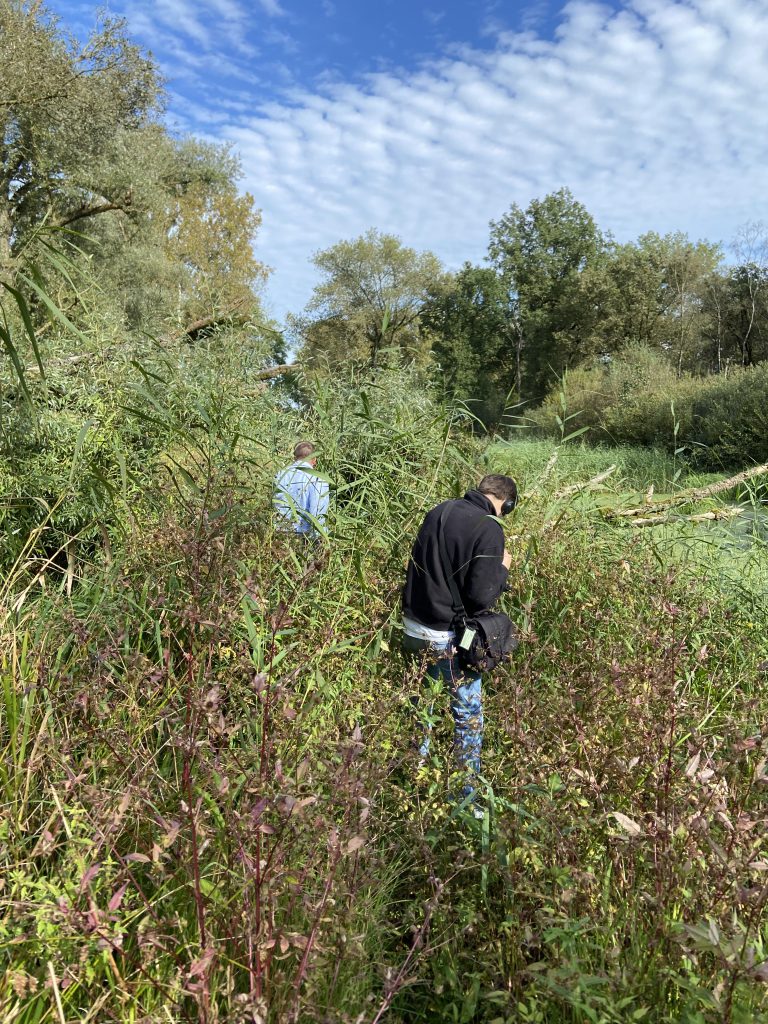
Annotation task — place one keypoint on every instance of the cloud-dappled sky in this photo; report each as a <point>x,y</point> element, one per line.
<point>428,120</point>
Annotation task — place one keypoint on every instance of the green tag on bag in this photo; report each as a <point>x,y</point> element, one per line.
<point>466,641</point>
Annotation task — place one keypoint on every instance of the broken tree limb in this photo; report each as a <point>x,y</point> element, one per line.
<point>586,485</point>
<point>195,329</point>
<point>702,517</point>
<point>545,475</point>
<point>687,497</point>
<point>276,371</point>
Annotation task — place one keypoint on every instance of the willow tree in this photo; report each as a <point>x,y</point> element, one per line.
<point>87,162</point>
<point>73,121</point>
<point>209,239</point>
<point>370,298</point>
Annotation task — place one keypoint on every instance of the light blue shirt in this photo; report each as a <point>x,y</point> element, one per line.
<point>301,498</point>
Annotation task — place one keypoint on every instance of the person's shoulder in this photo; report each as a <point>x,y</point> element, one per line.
<point>437,510</point>
<point>481,523</point>
<point>488,529</point>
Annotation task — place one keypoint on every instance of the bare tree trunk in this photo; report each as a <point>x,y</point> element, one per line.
<point>719,314</point>
<point>518,362</point>
<point>6,256</point>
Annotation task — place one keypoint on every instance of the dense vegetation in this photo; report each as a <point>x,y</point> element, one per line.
<point>558,294</point>
<point>211,809</point>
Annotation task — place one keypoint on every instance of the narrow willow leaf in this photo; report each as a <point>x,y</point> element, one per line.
<point>81,436</point>
<point>28,325</point>
<point>56,313</point>
<point>13,355</point>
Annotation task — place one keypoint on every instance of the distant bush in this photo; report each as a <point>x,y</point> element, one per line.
<point>730,418</point>
<point>638,399</point>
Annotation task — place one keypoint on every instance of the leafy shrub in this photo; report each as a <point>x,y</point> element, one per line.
<point>730,419</point>
<point>638,399</point>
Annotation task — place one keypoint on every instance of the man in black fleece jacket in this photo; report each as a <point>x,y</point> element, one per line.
<point>479,563</point>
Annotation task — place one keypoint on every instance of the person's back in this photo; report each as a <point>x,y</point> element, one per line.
<point>474,545</point>
<point>463,538</point>
<point>301,495</point>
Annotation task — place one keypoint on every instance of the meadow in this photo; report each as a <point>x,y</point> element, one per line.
<point>211,806</point>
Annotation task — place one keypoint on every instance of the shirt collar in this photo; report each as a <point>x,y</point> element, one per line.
<point>480,500</point>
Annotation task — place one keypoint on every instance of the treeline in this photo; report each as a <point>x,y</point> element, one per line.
<point>556,293</point>
<point>114,233</point>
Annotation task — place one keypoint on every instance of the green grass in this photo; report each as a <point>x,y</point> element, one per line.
<point>210,807</point>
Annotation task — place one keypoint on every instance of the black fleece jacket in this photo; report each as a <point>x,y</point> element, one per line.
<point>475,547</point>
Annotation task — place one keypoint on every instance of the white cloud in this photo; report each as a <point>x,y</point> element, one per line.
<point>272,8</point>
<point>655,116</point>
<point>185,30</point>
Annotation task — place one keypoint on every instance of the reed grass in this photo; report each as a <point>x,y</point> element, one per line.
<point>211,811</point>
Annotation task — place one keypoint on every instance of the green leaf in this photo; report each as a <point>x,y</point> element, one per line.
<point>13,355</point>
<point>35,283</point>
<point>576,433</point>
<point>28,325</point>
<point>81,436</point>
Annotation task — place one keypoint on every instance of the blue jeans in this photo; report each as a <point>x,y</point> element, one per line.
<point>467,708</point>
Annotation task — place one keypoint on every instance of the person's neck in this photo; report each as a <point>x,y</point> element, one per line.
<point>496,502</point>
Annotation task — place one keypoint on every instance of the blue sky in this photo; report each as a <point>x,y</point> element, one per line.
<point>428,120</point>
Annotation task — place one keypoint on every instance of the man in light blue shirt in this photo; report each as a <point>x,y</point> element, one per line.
<point>301,496</point>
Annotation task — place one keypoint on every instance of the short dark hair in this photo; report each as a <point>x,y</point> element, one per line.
<point>303,449</point>
<point>503,487</point>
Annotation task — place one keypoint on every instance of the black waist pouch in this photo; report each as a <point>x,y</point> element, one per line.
<point>486,640</point>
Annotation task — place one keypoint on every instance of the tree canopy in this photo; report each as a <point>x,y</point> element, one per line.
<point>370,298</point>
<point>87,164</point>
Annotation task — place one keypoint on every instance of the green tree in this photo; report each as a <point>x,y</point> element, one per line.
<point>543,253</point>
<point>687,268</point>
<point>86,160</point>
<point>73,121</point>
<point>370,299</point>
<point>474,333</point>
<point>635,301</point>
<point>657,292</point>
<point>210,241</point>
<point>748,290</point>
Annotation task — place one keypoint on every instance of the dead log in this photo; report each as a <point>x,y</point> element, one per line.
<point>702,517</point>
<point>688,497</point>
<point>594,482</point>
<point>209,323</point>
<point>276,371</point>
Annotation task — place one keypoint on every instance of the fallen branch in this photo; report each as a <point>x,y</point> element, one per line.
<point>195,329</point>
<point>276,371</point>
<point>702,517</point>
<point>575,488</point>
<point>687,497</point>
<point>545,475</point>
